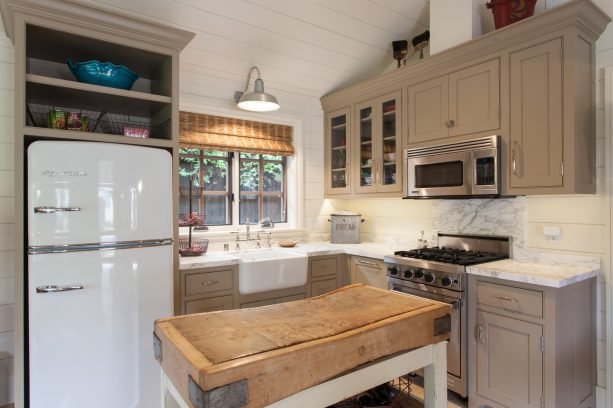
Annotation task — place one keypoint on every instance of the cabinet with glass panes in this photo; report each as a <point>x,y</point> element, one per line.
<point>337,152</point>
<point>377,139</point>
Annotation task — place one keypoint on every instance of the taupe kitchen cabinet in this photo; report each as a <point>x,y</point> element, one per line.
<point>208,289</point>
<point>531,346</point>
<point>368,271</point>
<point>326,273</point>
<point>462,102</point>
<point>337,152</point>
<point>378,149</point>
<point>551,138</point>
<point>272,297</point>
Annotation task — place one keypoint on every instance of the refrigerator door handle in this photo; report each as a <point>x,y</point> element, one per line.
<point>49,210</point>
<point>55,288</point>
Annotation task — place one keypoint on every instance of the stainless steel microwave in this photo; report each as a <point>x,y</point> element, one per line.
<point>463,169</point>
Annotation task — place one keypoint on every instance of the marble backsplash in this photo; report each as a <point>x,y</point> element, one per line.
<point>499,216</point>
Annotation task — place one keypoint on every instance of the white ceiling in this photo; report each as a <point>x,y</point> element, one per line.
<point>305,47</point>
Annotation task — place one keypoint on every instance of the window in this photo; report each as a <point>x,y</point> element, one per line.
<point>260,186</point>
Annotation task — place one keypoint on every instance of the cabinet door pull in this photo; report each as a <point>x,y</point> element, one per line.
<point>209,283</point>
<point>508,299</point>
<point>480,334</point>
<point>450,123</point>
<point>514,165</point>
<point>367,263</point>
<point>323,267</point>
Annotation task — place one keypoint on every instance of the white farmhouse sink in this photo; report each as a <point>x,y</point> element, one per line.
<point>272,269</point>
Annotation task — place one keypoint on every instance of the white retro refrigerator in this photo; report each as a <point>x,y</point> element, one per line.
<point>99,272</point>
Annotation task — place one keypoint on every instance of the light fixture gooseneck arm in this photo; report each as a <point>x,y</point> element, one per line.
<point>249,77</point>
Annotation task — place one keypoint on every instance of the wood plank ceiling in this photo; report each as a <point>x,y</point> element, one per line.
<point>305,47</point>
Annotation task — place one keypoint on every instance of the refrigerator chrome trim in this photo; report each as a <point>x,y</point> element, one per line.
<point>98,246</point>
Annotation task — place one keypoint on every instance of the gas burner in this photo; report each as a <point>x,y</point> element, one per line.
<point>451,255</point>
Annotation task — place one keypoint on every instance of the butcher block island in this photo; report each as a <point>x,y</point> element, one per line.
<point>256,357</point>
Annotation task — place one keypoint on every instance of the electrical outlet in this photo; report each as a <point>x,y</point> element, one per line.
<point>552,233</point>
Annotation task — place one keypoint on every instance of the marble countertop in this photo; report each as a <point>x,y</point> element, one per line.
<point>367,249</point>
<point>536,273</point>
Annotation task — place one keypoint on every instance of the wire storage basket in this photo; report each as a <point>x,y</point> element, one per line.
<point>101,122</point>
<point>198,246</point>
<point>191,220</point>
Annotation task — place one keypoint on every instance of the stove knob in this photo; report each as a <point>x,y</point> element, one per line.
<point>429,277</point>
<point>408,274</point>
<point>418,273</point>
<point>446,281</point>
<point>393,270</point>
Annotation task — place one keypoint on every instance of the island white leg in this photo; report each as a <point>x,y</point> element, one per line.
<point>435,378</point>
<point>170,396</point>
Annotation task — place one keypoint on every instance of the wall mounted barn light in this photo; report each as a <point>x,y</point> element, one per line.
<point>258,100</point>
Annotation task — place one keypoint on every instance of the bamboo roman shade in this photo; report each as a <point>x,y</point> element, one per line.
<point>211,132</point>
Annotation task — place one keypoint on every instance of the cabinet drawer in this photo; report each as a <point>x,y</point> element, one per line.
<point>323,267</point>
<point>258,303</point>
<point>517,300</point>
<point>291,298</point>
<point>199,283</point>
<point>324,286</point>
<point>209,305</point>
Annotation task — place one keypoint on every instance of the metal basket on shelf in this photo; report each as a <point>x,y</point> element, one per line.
<point>191,220</point>
<point>101,122</point>
<point>198,247</point>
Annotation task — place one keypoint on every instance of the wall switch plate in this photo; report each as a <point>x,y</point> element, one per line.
<point>552,233</point>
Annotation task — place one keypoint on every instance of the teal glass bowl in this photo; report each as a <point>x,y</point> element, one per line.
<point>103,73</point>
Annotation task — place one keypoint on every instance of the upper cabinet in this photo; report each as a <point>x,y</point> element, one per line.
<point>460,103</point>
<point>551,135</point>
<point>377,145</point>
<point>532,83</point>
<point>336,152</point>
<point>536,116</point>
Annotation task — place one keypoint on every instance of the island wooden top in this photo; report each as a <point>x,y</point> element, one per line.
<point>264,354</point>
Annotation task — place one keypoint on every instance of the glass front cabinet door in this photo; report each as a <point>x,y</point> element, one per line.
<point>337,154</point>
<point>377,145</point>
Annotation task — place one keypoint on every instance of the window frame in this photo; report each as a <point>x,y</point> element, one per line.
<point>234,194</point>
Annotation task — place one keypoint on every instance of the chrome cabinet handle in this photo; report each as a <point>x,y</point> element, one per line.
<point>513,158</point>
<point>367,263</point>
<point>49,210</point>
<point>209,283</point>
<point>508,299</point>
<point>55,288</point>
<point>480,334</point>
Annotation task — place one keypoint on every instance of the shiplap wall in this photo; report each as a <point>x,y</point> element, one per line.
<point>7,219</point>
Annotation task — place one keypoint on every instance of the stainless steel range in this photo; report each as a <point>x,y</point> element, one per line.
<point>438,273</point>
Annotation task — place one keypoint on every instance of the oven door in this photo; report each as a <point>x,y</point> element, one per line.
<point>447,174</point>
<point>454,347</point>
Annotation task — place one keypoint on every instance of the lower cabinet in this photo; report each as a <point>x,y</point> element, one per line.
<point>368,271</point>
<point>326,273</point>
<point>531,346</point>
<point>208,289</point>
<point>509,360</point>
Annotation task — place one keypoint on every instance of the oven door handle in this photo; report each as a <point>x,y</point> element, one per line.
<point>455,305</point>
